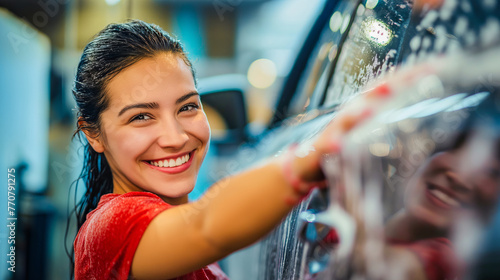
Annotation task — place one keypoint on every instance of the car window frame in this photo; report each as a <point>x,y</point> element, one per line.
<point>290,85</point>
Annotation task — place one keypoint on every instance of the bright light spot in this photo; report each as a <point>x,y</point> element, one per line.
<point>112,2</point>
<point>370,4</point>
<point>361,10</point>
<point>336,21</point>
<point>323,51</point>
<point>408,112</point>
<point>440,105</point>
<point>380,149</point>
<point>262,73</point>
<point>408,125</point>
<point>471,101</point>
<point>377,31</point>
<point>345,23</point>
<point>332,53</point>
<point>308,216</point>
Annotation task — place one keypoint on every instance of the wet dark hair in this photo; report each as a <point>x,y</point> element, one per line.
<point>115,48</point>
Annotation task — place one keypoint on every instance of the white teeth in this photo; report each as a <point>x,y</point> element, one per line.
<point>171,162</point>
<point>445,198</point>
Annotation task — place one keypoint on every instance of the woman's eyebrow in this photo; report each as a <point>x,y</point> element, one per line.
<point>151,105</point>
<point>186,97</point>
<point>154,105</point>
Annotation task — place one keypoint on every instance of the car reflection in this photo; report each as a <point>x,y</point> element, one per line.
<point>458,183</point>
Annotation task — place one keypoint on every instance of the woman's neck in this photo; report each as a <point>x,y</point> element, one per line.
<point>175,200</point>
<point>119,188</point>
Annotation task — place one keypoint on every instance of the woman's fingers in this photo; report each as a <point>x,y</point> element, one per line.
<point>350,116</point>
<point>420,5</point>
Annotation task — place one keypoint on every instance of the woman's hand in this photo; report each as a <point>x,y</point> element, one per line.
<point>354,113</point>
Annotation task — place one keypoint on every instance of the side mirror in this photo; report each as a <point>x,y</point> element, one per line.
<point>224,104</point>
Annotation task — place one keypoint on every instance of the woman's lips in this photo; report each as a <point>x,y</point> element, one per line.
<point>440,197</point>
<point>172,165</point>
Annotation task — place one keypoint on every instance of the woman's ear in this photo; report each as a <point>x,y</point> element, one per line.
<point>94,140</point>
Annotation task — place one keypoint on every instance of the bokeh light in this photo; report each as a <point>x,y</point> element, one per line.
<point>262,73</point>
<point>371,4</point>
<point>336,21</point>
<point>112,2</point>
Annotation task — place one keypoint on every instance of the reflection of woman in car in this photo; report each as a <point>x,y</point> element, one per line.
<point>447,185</point>
<point>147,136</point>
<point>450,182</point>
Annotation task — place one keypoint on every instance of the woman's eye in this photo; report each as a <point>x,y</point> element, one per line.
<point>140,117</point>
<point>189,107</point>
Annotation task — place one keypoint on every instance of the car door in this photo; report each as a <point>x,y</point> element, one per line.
<point>361,41</point>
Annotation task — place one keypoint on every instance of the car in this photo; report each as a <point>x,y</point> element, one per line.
<point>427,55</point>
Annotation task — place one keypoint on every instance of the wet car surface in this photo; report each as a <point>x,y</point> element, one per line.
<point>441,64</point>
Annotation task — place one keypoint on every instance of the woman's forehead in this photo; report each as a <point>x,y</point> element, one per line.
<point>164,75</point>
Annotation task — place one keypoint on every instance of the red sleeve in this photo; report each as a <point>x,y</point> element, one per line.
<point>437,257</point>
<point>106,243</point>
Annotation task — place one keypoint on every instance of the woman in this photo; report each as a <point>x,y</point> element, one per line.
<point>147,136</point>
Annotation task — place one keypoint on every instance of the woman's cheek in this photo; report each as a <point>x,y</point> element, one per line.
<point>135,141</point>
<point>201,127</point>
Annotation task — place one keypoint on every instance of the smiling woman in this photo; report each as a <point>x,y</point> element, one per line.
<point>164,130</point>
<point>147,135</point>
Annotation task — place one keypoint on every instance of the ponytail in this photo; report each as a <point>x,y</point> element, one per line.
<point>98,179</point>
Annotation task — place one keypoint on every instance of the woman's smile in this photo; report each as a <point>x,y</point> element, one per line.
<point>172,164</point>
<point>442,197</point>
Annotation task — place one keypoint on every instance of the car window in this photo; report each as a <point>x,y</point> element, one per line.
<point>456,26</point>
<point>372,48</point>
<point>383,35</point>
<point>315,76</point>
<point>386,34</point>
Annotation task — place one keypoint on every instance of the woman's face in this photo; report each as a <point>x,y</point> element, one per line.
<point>438,190</point>
<point>154,133</point>
<point>451,182</point>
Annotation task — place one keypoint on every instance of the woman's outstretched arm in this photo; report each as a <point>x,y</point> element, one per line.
<point>236,211</point>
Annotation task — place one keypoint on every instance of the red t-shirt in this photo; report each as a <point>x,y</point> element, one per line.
<point>106,243</point>
<point>435,254</point>
<point>437,257</point>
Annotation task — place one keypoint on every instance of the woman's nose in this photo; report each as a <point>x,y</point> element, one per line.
<point>173,135</point>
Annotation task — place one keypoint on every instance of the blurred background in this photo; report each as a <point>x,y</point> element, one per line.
<point>40,46</point>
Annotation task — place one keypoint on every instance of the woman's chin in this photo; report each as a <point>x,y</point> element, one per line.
<point>438,221</point>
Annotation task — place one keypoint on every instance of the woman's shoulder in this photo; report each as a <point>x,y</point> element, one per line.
<point>119,214</point>
<point>126,209</point>
<point>106,243</point>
